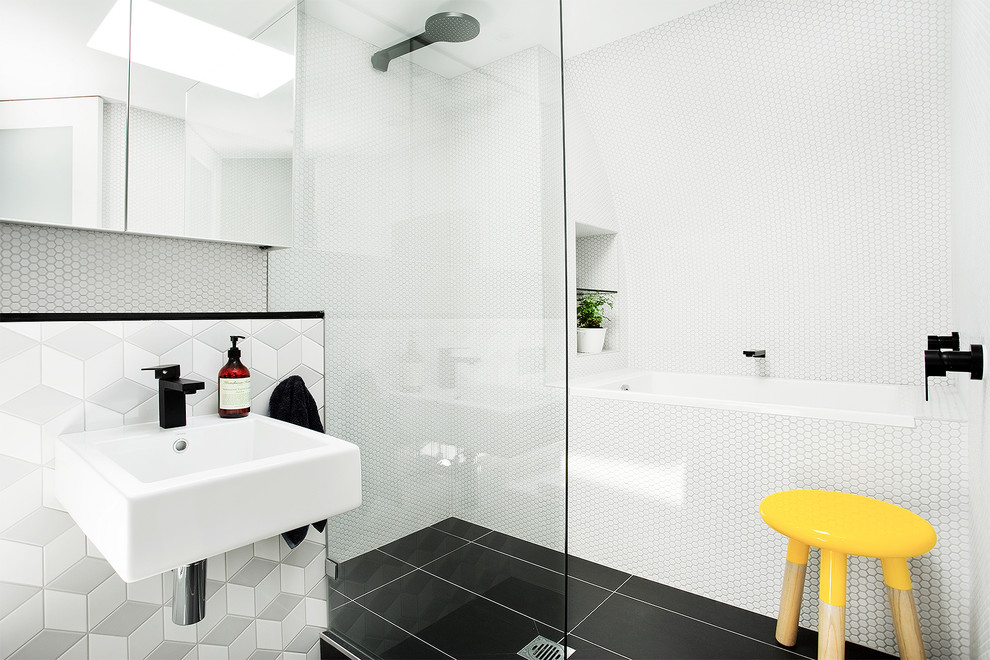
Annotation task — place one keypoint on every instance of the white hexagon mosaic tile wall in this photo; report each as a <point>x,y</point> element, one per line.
<point>672,493</point>
<point>596,266</point>
<point>779,172</point>
<point>156,173</point>
<point>58,597</point>
<point>971,269</point>
<point>114,171</point>
<point>59,270</point>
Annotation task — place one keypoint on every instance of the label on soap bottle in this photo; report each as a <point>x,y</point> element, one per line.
<point>235,393</point>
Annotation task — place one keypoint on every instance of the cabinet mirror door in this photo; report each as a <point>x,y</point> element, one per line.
<point>211,118</point>
<point>63,113</point>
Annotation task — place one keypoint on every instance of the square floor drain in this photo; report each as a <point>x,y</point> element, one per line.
<point>542,648</point>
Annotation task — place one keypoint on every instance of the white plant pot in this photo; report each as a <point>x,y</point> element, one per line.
<point>590,340</point>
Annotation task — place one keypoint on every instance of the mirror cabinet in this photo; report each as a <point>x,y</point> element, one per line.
<point>171,117</point>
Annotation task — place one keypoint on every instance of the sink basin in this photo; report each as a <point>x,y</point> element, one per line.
<point>153,499</point>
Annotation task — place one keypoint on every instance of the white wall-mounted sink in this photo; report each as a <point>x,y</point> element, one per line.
<point>153,499</point>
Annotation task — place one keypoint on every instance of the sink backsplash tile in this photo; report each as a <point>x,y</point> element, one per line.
<point>57,593</point>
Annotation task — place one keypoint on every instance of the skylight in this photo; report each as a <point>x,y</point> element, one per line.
<point>176,43</point>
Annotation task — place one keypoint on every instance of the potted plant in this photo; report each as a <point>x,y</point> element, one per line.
<point>591,334</point>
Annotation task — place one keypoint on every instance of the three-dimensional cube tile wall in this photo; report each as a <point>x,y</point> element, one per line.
<point>58,597</point>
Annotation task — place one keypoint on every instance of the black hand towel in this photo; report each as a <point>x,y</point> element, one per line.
<point>291,402</point>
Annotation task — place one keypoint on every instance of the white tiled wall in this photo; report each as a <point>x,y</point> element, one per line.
<point>431,208</point>
<point>256,199</point>
<point>53,269</point>
<point>672,493</point>
<point>178,185</point>
<point>156,173</point>
<point>778,172</point>
<point>596,261</point>
<point>114,168</point>
<point>971,270</point>
<point>779,178</point>
<point>58,597</point>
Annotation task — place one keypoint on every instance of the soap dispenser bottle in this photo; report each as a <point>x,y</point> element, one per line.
<point>234,382</point>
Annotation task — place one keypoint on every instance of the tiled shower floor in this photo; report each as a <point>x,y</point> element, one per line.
<point>459,590</point>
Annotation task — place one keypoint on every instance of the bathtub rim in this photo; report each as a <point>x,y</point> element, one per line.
<point>911,413</point>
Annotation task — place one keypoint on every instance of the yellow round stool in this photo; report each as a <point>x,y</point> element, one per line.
<point>844,524</point>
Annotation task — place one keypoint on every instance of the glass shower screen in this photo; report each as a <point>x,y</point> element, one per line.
<point>428,192</point>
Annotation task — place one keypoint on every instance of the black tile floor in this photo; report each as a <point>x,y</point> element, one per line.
<point>457,590</point>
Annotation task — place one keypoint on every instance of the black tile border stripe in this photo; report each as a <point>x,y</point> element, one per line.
<point>154,316</point>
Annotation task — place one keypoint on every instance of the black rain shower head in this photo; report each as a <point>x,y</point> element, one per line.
<point>448,26</point>
<point>452,26</point>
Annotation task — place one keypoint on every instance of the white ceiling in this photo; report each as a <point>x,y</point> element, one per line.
<point>231,123</point>
<point>44,54</point>
<point>47,41</point>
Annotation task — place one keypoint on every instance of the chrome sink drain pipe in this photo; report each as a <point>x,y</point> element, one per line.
<point>189,593</point>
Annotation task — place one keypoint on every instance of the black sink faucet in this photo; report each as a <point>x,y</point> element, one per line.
<point>172,392</point>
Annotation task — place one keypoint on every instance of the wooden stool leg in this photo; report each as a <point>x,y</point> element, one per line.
<point>832,607</point>
<point>791,593</point>
<point>901,597</point>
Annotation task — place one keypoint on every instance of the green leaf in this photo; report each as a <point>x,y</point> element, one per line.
<point>589,309</point>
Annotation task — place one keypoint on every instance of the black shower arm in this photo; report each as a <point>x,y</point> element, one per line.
<point>381,59</point>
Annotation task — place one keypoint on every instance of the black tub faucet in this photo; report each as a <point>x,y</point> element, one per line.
<point>755,354</point>
<point>172,392</point>
<point>937,363</point>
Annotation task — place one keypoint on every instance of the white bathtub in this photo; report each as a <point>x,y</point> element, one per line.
<point>896,405</point>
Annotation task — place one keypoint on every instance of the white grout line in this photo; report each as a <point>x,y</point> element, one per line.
<point>714,625</point>
<point>395,558</point>
<point>463,588</point>
<point>423,569</point>
<point>413,566</point>
<point>531,563</point>
<point>569,576</point>
<point>507,554</point>
<point>458,535</point>
<point>392,623</point>
<point>569,635</point>
<point>613,592</point>
<point>383,585</point>
<point>600,604</point>
<point>429,562</point>
<point>349,599</point>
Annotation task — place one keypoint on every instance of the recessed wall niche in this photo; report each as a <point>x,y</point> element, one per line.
<point>597,269</point>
